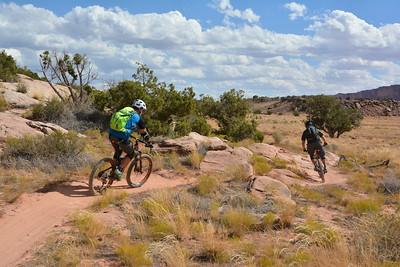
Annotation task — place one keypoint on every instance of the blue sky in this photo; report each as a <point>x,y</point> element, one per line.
<point>264,47</point>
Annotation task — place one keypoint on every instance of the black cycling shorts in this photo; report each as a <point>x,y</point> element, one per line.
<point>120,146</point>
<point>311,147</point>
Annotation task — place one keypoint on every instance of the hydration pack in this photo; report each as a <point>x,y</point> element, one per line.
<point>120,118</point>
<point>313,132</point>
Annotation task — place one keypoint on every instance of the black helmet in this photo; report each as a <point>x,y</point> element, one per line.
<point>309,123</point>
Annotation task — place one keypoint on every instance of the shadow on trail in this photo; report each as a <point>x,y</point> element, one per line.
<point>71,189</point>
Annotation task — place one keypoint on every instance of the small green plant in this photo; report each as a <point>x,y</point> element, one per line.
<point>260,165</point>
<point>21,88</point>
<point>238,222</point>
<point>174,162</point>
<point>3,103</point>
<point>268,220</point>
<point>296,113</point>
<point>207,185</point>
<point>111,197</point>
<point>133,255</point>
<point>316,233</point>
<point>195,159</point>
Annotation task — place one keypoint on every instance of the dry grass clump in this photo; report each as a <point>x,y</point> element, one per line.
<point>3,103</point>
<point>90,229</point>
<point>111,197</point>
<point>362,206</point>
<point>22,88</point>
<point>238,222</point>
<point>168,252</point>
<point>279,163</point>
<point>260,165</point>
<point>377,237</point>
<point>362,182</point>
<point>174,162</point>
<point>164,213</point>
<point>207,185</point>
<point>313,233</point>
<point>133,254</point>
<point>194,159</point>
<point>237,172</point>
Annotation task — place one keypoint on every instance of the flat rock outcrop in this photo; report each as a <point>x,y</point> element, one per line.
<point>226,162</point>
<point>12,125</point>
<point>19,100</point>
<point>192,142</point>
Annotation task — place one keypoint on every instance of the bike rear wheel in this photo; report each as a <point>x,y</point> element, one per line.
<point>321,171</point>
<point>139,171</point>
<point>100,177</point>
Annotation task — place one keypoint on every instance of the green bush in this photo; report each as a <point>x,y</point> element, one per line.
<point>331,116</point>
<point>45,152</point>
<point>8,68</point>
<point>200,125</point>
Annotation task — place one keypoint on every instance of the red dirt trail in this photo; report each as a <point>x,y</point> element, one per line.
<point>27,224</point>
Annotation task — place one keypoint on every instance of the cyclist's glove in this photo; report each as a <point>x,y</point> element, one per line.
<point>146,137</point>
<point>305,150</point>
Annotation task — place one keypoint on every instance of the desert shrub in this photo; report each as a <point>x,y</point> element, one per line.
<point>207,185</point>
<point>260,165</point>
<point>21,88</point>
<point>25,71</point>
<point>3,103</point>
<point>315,233</point>
<point>133,254</point>
<point>199,125</point>
<point>296,113</point>
<point>168,252</point>
<point>51,111</point>
<point>377,236</point>
<point>390,184</point>
<point>237,172</point>
<point>71,117</point>
<point>58,150</point>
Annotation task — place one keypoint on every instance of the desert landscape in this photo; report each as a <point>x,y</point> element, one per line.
<point>261,133</point>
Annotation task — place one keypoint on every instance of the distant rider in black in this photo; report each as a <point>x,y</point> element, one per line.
<point>313,137</point>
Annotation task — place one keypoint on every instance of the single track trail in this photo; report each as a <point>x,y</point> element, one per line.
<point>26,225</point>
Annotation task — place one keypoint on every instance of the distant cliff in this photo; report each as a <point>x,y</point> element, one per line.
<point>384,92</point>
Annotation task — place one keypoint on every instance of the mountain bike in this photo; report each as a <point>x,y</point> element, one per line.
<point>138,171</point>
<point>319,166</point>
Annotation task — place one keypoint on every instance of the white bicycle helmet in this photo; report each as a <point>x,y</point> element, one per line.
<point>139,104</point>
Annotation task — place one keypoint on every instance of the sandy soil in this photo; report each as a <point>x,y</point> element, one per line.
<point>28,223</point>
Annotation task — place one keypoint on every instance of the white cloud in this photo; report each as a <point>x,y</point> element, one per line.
<point>225,8</point>
<point>298,10</point>
<point>340,53</point>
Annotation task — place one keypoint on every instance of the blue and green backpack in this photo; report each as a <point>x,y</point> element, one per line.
<point>120,118</point>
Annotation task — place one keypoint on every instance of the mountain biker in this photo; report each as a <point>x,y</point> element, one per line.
<point>123,123</point>
<point>313,137</point>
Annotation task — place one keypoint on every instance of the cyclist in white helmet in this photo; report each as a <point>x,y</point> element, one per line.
<point>123,123</point>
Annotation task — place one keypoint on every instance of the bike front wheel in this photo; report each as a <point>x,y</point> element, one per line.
<point>139,171</point>
<point>100,177</point>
